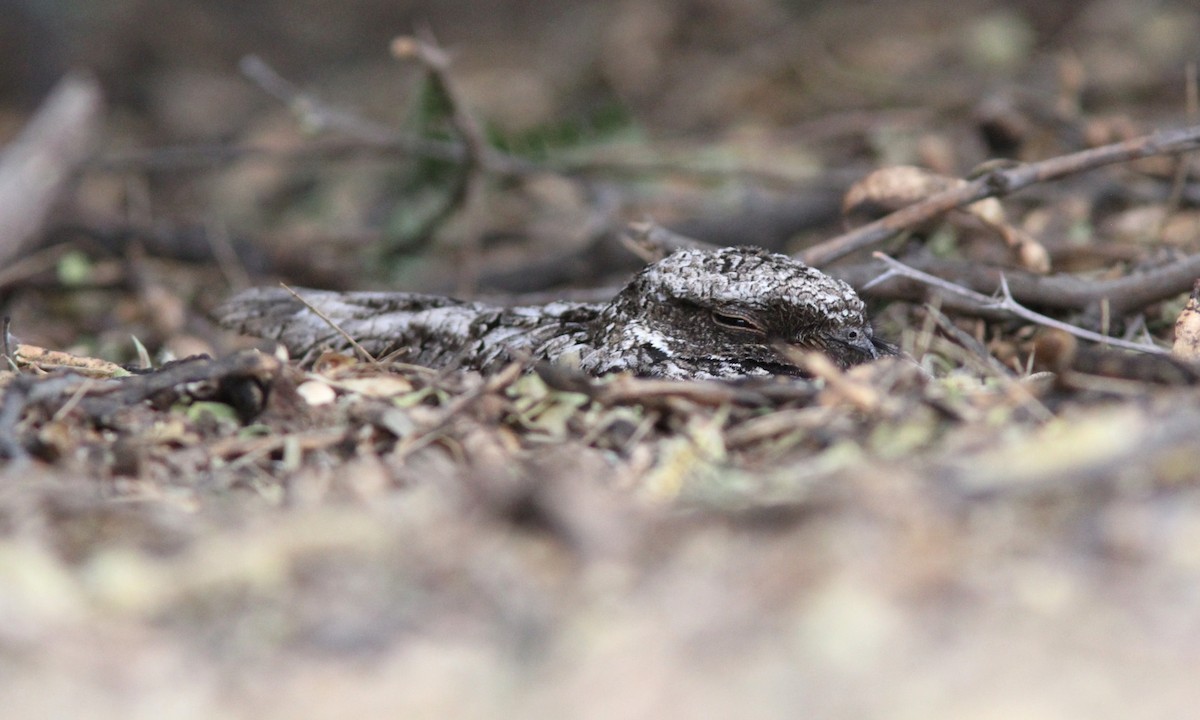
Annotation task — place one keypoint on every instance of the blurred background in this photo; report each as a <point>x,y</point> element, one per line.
<point>243,142</point>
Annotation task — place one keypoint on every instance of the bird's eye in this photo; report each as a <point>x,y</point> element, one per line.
<point>853,335</point>
<point>733,321</point>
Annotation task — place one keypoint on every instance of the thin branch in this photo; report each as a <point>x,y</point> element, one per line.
<point>1007,303</point>
<point>895,267</point>
<point>336,328</point>
<point>998,183</point>
<point>312,112</point>
<point>1062,292</point>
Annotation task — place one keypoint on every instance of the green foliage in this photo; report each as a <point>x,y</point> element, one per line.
<point>428,191</point>
<point>74,268</point>
<point>608,121</point>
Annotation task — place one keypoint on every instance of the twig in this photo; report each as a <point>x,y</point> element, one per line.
<point>1010,304</point>
<point>331,323</point>
<point>74,400</point>
<point>1061,292</point>
<point>998,183</point>
<point>971,347</point>
<point>1007,303</point>
<point>312,112</point>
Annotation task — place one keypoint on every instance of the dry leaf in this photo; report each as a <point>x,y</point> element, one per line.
<point>1187,329</point>
<point>890,189</point>
<point>43,359</point>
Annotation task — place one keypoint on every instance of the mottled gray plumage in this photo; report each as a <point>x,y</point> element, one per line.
<point>694,314</point>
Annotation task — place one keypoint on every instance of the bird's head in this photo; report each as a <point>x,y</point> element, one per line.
<point>733,312</point>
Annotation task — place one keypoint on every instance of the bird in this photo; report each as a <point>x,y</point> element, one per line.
<point>723,313</point>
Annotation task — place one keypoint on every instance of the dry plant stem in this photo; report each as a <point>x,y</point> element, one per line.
<point>999,183</point>
<point>968,342</point>
<point>988,366</point>
<point>336,328</point>
<point>476,161</point>
<point>246,450</point>
<point>436,61</point>
<point>36,166</point>
<point>1007,303</point>
<point>860,395</point>
<point>226,256</point>
<point>368,136</point>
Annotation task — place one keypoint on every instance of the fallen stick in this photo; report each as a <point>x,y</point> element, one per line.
<point>998,183</point>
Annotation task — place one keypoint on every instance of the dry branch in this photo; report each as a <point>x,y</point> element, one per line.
<point>998,183</point>
<point>1006,303</point>
<point>1123,295</point>
<point>243,380</point>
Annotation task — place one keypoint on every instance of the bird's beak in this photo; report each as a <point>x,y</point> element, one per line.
<point>846,347</point>
<point>859,344</point>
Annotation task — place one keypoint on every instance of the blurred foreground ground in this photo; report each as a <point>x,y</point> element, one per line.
<point>920,543</point>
